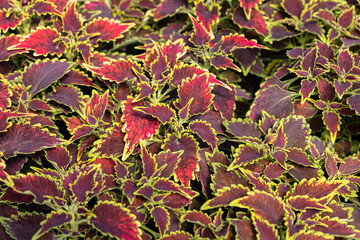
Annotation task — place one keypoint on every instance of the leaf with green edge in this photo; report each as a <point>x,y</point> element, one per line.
<point>53,220</point>
<point>7,42</point>
<point>341,87</point>
<point>117,71</point>
<point>334,227</point>
<point>25,139</point>
<point>76,77</point>
<point>312,235</point>
<point>162,218</point>
<point>249,5</point>
<point>67,95</point>
<point>200,36</point>
<point>242,128</point>
<point>297,131</point>
<point>43,41</point>
<point>81,131</point>
<point>104,29</point>
<point>346,17</point>
<point>278,32</point>
<point>306,109</point>
<point>40,186</point>
<point>223,197</point>
<point>259,183</point>
<point>145,191</point>
<point>293,7</point>
<point>5,5</point>
<point>307,87</point>
<point>331,163</point>
<point>246,154</point>
<point>304,202</point>
<point>40,75</point>
<point>37,104</point>
<point>332,122</point>
<point>256,20</point>
<point>274,100</point>
<point>9,21</point>
<point>167,8</point>
<point>317,188</point>
<point>326,90</point>
<point>59,156</point>
<point>167,160</point>
<point>197,89</point>
<point>235,41</point>
<point>223,62</point>
<point>113,219</point>
<point>354,103</point>
<point>5,95</point>
<point>207,15</point>
<point>345,62</point>
<point>197,217</point>
<point>244,229</point>
<point>163,112</point>
<point>177,235</point>
<point>25,225</point>
<point>224,178</point>
<point>205,132</point>
<point>350,165</point>
<point>86,185</point>
<point>138,126</point>
<point>265,230</point>
<point>299,156</point>
<point>188,163</point>
<point>43,7</point>
<point>183,71</point>
<point>163,184</point>
<point>280,138</point>
<point>264,205</point>
<point>71,21</point>
<point>145,90</point>
<point>273,171</point>
<point>149,164</point>
<point>176,201</point>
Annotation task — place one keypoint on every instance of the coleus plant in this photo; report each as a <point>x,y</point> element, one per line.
<point>135,119</point>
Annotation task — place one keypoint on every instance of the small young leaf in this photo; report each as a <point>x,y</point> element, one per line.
<point>200,36</point>
<point>71,21</point>
<point>161,217</point>
<point>205,132</point>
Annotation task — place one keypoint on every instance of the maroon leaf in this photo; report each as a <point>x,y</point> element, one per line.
<point>188,160</point>
<point>264,204</point>
<point>294,7</point>
<point>346,18</point>
<point>7,42</point>
<point>297,132</point>
<point>87,184</point>
<point>161,111</point>
<point>205,131</point>
<point>24,226</point>
<point>278,32</point>
<point>198,90</point>
<point>111,218</point>
<point>274,170</point>
<point>43,41</point>
<point>225,196</point>
<point>244,228</point>
<point>200,36</point>
<point>37,104</point>
<point>197,217</point>
<point>161,217</point>
<point>54,219</point>
<point>69,96</point>
<point>306,109</point>
<point>345,61</point>
<point>175,201</point>
<point>334,227</point>
<point>149,163</point>
<point>4,96</point>
<point>310,235</point>
<point>354,103</point>
<point>41,74</point>
<point>9,21</point>
<point>105,29</point>
<point>307,88</point>
<point>265,230</point>
<point>138,126</point>
<point>235,41</point>
<point>177,235</point>
<point>167,8</point>
<point>246,154</point>
<point>315,188</point>
<point>326,90</point>
<point>224,178</point>
<point>222,61</point>
<point>298,156</point>
<point>341,87</point>
<point>331,164</point>
<point>206,16</point>
<point>248,6</point>
<point>166,185</point>
<point>42,7</point>
<point>304,202</point>
<point>40,186</point>
<point>59,156</point>
<point>81,131</point>
<point>169,159</point>
<point>256,20</point>
<point>275,101</point>
<point>350,165</point>
<point>71,21</point>
<point>243,128</point>
<point>78,78</point>
<point>332,122</point>
<point>23,138</point>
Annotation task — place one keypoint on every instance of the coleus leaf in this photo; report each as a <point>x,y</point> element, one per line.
<point>163,184</point>
<point>23,138</point>
<point>176,201</point>
<point>75,77</point>
<point>4,96</point>
<point>307,87</point>
<point>275,101</point>
<point>198,90</point>
<point>53,220</point>
<point>332,122</point>
<point>42,187</point>
<point>297,131</point>
<point>71,22</point>
<point>40,75</point>
<point>264,205</point>
<point>177,235</point>
<point>246,154</point>
<point>67,95</point>
<point>256,20</point>
<point>341,87</point>
<point>188,160</point>
<point>7,42</point>
<point>161,217</point>
<point>104,29</point>
<point>223,197</point>
<point>264,229</point>
<point>43,41</point>
<point>242,128</point>
<point>334,227</point>
<point>9,22</point>
<point>167,161</point>
<point>304,202</point>
<point>205,131</point>
<point>160,111</point>
<point>354,103</point>
<point>167,8</point>
<point>149,164</point>
<point>235,41</point>
<point>224,178</point>
<point>59,156</point>
<point>206,16</point>
<point>4,116</point>
<point>312,235</point>
<point>37,104</point>
<point>298,156</point>
<point>222,61</point>
<point>81,131</point>
<point>350,165</point>
<point>248,6</point>
<point>346,18</point>
<point>197,217</point>
<point>244,228</point>
<point>274,170</point>
<point>43,7</point>
<point>293,7</point>
<point>138,126</point>
<point>200,36</point>
<point>112,218</point>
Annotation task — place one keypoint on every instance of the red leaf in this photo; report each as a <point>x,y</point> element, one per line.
<point>25,139</point>
<point>310,235</point>
<point>9,22</point>
<point>275,101</point>
<point>306,109</point>
<point>40,186</point>
<point>7,42</point>
<point>248,6</point>
<point>205,132</point>
<point>43,41</point>
<point>244,228</point>
<point>225,196</point>
<point>326,90</point>
<point>197,217</point>
<point>138,126</point>
<point>332,122</point>
<point>235,41</point>
<point>198,90</point>
<point>161,111</point>
<point>4,98</point>
<point>256,20</point>
<point>304,202</point>
<point>265,206</point>
<point>54,219</point>
<point>41,74</point>
<point>166,185</point>
<point>69,96</point>
<point>167,8</point>
<point>87,184</point>
<point>294,7</point>
<point>246,154</point>
<point>161,217</point>
<point>188,160</point>
<point>111,218</point>
<point>206,16</point>
<point>77,78</point>
<point>346,18</point>
<point>200,36</point>
<point>149,164</point>
<point>331,164</point>
<point>175,201</point>
<point>37,104</point>
<point>315,188</point>
<point>106,29</point>
<point>265,230</point>
<point>71,22</point>
<point>59,156</point>
<point>60,4</point>
<point>222,61</point>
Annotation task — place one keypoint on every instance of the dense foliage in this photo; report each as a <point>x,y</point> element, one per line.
<point>179,119</point>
